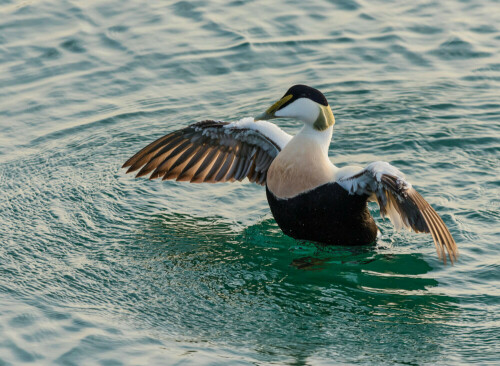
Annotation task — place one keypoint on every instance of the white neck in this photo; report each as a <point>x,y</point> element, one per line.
<point>303,164</point>
<point>322,138</point>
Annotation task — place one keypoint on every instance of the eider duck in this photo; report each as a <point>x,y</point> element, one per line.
<point>310,198</point>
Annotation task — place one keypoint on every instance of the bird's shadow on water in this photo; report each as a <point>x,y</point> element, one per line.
<point>271,290</point>
<point>217,239</point>
<point>312,256</point>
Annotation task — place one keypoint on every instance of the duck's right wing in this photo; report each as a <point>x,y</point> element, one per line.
<point>401,203</point>
<point>212,151</point>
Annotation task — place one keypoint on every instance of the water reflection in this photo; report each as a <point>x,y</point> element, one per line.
<point>218,282</point>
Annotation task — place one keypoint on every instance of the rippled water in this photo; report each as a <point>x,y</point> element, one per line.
<point>99,268</point>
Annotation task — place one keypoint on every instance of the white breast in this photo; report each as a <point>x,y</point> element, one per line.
<point>302,165</point>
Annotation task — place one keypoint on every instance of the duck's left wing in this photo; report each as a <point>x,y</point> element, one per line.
<point>212,151</point>
<point>401,203</point>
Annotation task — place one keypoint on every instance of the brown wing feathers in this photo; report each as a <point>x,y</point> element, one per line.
<point>419,215</point>
<point>206,152</point>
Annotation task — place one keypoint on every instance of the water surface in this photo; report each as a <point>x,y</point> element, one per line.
<point>99,268</point>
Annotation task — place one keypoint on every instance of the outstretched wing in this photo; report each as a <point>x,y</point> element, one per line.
<point>401,203</point>
<point>211,152</point>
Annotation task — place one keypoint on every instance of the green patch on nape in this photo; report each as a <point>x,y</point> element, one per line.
<point>325,118</point>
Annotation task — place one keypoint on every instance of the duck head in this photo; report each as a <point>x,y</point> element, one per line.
<point>305,104</point>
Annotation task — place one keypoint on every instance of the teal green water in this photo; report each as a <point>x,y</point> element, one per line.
<point>97,268</point>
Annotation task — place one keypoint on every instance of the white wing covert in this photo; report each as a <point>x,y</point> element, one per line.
<point>401,203</point>
<point>212,151</point>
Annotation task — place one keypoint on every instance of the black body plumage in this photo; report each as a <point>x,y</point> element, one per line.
<point>327,214</point>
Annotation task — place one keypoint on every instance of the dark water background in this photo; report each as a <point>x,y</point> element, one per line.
<point>99,268</point>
